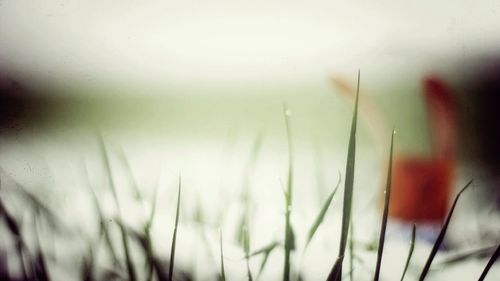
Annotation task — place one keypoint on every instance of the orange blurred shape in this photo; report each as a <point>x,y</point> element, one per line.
<point>421,186</point>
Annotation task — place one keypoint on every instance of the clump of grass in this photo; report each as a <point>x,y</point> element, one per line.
<point>174,236</point>
<point>440,237</point>
<point>383,226</point>
<point>336,271</point>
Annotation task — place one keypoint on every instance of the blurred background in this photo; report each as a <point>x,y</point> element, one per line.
<point>198,88</point>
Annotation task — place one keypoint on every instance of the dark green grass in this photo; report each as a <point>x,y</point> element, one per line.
<point>410,251</point>
<point>383,226</point>
<point>441,235</point>
<point>490,263</point>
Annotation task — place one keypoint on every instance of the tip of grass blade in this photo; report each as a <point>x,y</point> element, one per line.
<point>321,215</point>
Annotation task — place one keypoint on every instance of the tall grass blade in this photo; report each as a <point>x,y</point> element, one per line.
<point>126,249</point>
<point>492,260</point>
<point>383,226</point>
<point>351,251</point>
<point>87,269</point>
<point>222,270</point>
<point>336,271</point>
<point>39,262</point>
<point>103,223</point>
<point>174,237</point>
<point>410,252</point>
<point>319,218</point>
<point>289,237</point>
<point>246,248</point>
<point>245,193</point>
<point>128,258</point>
<point>440,237</point>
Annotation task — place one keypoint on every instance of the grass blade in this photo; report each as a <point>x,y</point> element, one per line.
<point>383,226</point>
<point>246,248</point>
<point>322,213</point>
<point>336,271</point>
<point>222,271</point>
<point>492,260</point>
<point>410,252</point>
<point>351,251</point>
<point>440,237</point>
<point>289,239</point>
<point>15,231</point>
<point>174,237</point>
<point>128,258</point>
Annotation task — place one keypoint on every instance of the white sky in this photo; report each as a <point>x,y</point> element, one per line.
<point>236,41</point>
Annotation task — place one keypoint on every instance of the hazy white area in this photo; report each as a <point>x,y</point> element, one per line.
<point>238,42</point>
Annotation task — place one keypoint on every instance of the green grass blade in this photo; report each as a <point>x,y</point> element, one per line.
<point>336,271</point>
<point>246,248</point>
<point>289,239</point>
<point>126,249</point>
<point>103,222</point>
<point>107,165</point>
<point>351,251</point>
<point>128,258</point>
<point>15,230</point>
<point>265,249</point>
<point>174,236</point>
<point>383,226</point>
<point>410,252</point>
<point>490,263</point>
<point>222,270</point>
<point>440,237</point>
<point>319,218</point>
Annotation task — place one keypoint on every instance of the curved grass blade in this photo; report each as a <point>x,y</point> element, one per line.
<point>289,236</point>
<point>490,263</point>
<point>336,271</point>
<point>266,252</point>
<point>222,270</point>
<point>440,237</point>
<point>174,237</point>
<point>383,227</point>
<point>322,213</point>
<point>410,252</point>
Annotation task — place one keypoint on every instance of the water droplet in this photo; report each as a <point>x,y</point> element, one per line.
<point>288,112</point>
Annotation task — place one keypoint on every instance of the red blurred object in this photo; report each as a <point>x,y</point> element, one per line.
<point>421,186</point>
